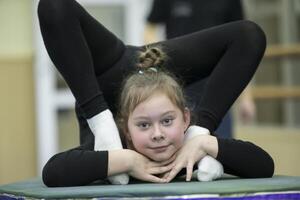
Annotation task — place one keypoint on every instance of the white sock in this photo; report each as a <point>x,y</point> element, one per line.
<point>208,167</point>
<point>107,137</point>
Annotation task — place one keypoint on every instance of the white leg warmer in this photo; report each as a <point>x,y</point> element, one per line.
<point>208,167</point>
<point>107,137</point>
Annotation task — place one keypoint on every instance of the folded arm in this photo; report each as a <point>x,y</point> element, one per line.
<point>244,159</point>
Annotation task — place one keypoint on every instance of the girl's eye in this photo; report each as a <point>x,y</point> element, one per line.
<point>143,125</point>
<point>167,122</point>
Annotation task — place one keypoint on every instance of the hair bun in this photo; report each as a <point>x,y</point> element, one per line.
<point>151,57</point>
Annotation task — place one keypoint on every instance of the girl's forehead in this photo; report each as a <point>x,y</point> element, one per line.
<point>158,98</point>
<point>158,104</point>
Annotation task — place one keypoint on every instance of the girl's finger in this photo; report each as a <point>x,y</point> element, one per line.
<point>154,179</point>
<point>160,170</point>
<point>176,169</point>
<point>165,175</point>
<point>189,170</point>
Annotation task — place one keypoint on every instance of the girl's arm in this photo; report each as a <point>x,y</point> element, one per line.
<point>239,158</point>
<point>81,166</point>
<point>244,159</point>
<point>137,165</point>
<point>75,167</point>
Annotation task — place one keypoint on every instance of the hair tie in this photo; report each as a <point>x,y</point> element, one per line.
<point>153,69</point>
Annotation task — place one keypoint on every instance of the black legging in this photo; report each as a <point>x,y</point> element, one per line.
<point>93,62</point>
<point>89,57</point>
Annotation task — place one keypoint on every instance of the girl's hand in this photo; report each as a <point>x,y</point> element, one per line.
<point>191,152</point>
<point>144,169</point>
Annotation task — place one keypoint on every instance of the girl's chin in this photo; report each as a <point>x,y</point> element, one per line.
<point>160,157</point>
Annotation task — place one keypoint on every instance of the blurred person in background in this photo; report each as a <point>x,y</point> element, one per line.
<point>181,17</point>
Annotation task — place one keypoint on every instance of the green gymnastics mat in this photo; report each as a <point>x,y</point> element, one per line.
<point>278,187</point>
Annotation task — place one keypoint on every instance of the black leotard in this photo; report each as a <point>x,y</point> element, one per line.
<point>93,61</point>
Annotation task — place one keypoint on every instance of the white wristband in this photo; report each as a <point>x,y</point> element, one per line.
<point>194,130</point>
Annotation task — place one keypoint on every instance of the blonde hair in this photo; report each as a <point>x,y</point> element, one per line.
<point>150,78</point>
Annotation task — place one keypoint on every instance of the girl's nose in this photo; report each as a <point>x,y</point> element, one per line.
<point>157,135</point>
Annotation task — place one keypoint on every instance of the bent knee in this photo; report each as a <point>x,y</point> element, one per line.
<point>252,33</point>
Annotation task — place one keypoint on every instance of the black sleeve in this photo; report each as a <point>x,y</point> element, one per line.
<point>78,166</point>
<point>244,159</point>
<point>158,12</point>
<point>75,167</point>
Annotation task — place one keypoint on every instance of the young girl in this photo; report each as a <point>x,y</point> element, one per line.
<point>94,63</point>
<point>154,119</point>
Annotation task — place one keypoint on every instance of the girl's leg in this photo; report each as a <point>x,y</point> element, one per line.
<point>194,93</point>
<point>227,55</point>
<point>80,47</point>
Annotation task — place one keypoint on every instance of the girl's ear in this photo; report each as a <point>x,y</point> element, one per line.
<point>187,117</point>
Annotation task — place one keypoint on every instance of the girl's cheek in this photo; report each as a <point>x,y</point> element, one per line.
<point>139,140</point>
<point>177,136</point>
<point>176,132</point>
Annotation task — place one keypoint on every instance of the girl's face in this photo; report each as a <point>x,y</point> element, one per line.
<point>156,127</point>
